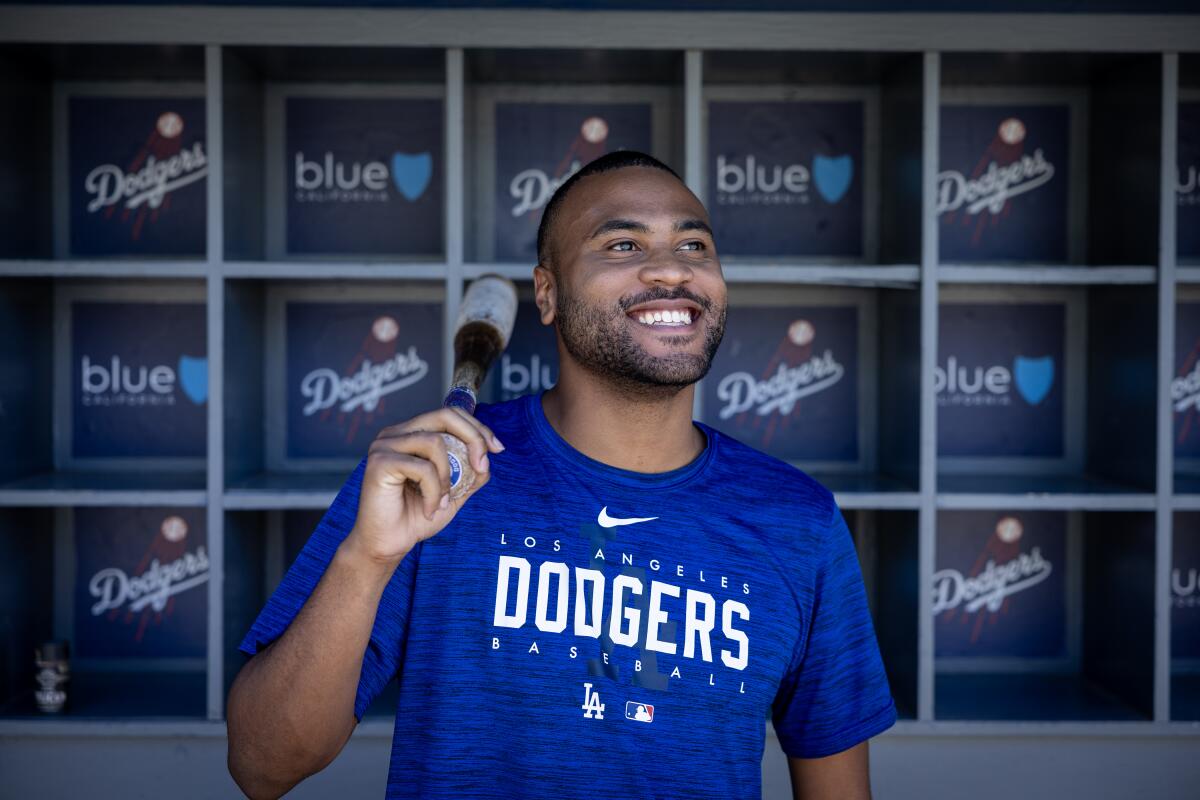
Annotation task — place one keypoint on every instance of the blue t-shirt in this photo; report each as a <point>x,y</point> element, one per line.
<point>579,627</point>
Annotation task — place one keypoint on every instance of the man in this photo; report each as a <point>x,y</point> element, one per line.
<point>624,599</point>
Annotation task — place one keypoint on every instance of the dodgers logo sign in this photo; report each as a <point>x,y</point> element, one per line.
<point>1187,212</point>
<point>998,379</point>
<point>136,174</point>
<point>785,177</point>
<point>1185,386</point>
<point>141,583</point>
<point>363,176</point>
<point>785,381</point>
<point>139,380</point>
<point>1000,586</point>
<point>353,368</point>
<point>1002,188</point>
<point>541,145</point>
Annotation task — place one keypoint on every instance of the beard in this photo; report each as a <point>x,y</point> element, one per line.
<point>601,341</point>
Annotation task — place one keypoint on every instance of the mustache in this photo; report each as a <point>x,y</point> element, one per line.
<point>663,293</point>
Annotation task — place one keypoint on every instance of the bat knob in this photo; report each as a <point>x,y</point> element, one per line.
<point>462,474</point>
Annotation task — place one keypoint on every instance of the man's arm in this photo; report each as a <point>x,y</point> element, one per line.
<point>841,776</point>
<point>291,708</point>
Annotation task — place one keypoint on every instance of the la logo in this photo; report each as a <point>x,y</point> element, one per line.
<point>592,707</point>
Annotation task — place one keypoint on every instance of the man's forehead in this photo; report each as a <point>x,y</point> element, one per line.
<point>644,194</point>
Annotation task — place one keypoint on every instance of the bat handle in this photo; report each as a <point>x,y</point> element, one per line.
<point>462,475</point>
<point>461,397</point>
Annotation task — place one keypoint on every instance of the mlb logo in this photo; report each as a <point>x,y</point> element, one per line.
<point>639,712</point>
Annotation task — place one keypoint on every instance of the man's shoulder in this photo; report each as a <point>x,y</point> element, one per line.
<point>503,414</point>
<point>767,480</point>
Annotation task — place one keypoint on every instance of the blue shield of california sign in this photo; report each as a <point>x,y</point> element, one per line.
<point>139,380</point>
<point>785,177</point>
<point>364,176</point>
<point>998,379</point>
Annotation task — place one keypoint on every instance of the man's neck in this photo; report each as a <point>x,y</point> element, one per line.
<point>609,425</point>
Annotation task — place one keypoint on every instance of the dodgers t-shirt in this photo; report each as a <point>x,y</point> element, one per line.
<point>580,628</point>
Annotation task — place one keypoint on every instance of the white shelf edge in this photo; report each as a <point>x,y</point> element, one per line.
<point>1029,501</point>
<point>334,270</point>
<point>116,268</point>
<point>186,498</point>
<point>1046,274</point>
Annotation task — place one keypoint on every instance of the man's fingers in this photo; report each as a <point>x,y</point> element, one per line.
<point>403,468</point>
<point>470,431</point>
<point>427,445</point>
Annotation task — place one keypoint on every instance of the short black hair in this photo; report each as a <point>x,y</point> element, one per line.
<point>618,159</point>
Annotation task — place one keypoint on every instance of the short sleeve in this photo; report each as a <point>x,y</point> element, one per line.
<point>385,647</point>
<point>836,693</point>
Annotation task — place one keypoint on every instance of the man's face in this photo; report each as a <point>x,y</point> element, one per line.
<point>640,296</point>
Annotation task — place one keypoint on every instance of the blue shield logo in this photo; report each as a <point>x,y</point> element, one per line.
<point>832,176</point>
<point>411,173</point>
<point>1034,377</point>
<point>193,377</point>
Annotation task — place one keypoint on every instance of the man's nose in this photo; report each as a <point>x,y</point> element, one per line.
<point>665,268</point>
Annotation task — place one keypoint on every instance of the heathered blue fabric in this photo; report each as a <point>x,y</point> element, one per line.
<point>492,711</point>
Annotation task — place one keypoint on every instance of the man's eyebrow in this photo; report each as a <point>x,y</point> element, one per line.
<point>619,225</point>
<point>693,225</point>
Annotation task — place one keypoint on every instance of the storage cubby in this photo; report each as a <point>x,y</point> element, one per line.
<point>1049,159</point>
<point>1044,615</point>
<point>109,384</point>
<point>537,116</point>
<point>314,370</point>
<point>113,152</point>
<point>886,541</point>
<point>127,589</point>
<point>812,158</point>
<point>1185,617</point>
<point>261,546</point>
<point>1046,390</point>
<point>334,155</point>
<point>1187,189</point>
<point>803,373</point>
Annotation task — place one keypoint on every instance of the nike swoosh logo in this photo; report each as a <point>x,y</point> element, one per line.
<point>611,522</point>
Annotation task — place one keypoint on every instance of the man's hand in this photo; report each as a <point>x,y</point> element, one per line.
<point>841,776</point>
<point>405,495</point>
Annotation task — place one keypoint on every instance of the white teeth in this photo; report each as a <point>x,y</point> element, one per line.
<point>667,317</point>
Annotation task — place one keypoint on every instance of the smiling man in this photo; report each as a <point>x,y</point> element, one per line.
<point>624,598</point>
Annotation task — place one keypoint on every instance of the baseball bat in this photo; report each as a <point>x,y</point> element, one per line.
<point>484,326</point>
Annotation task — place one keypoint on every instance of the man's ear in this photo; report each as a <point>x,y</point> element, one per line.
<point>545,293</point>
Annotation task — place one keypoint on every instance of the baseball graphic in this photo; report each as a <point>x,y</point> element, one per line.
<point>594,130</point>
<point>385,329</point>
<point>169,125</point>
<point>801,332</point>
<point>174,529</point>
<point>1009,529</point>
<point>1012,131</point>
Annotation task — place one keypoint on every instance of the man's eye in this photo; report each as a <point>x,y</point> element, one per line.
<point>624,247</point>
<point>692,246</point>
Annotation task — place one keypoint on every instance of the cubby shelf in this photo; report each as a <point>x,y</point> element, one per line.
<point>892,491</point>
